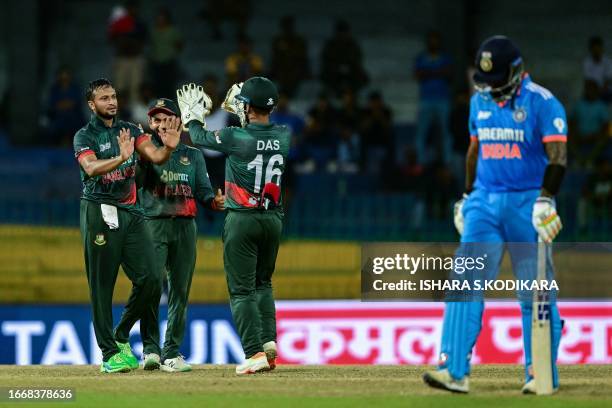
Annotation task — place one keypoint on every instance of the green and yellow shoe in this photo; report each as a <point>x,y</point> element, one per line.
<point>115,364</point>
<point>129,357</point>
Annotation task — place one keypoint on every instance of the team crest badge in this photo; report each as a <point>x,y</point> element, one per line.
<point>160,103</point>
<point>100,240</point>
<point>486,64</point>
<point>184,160</point>
<point>519,115</point>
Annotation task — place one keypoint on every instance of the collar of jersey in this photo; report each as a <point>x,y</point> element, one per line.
<point>97,122</point>
<point>260,125</point>
<point>526,79</point>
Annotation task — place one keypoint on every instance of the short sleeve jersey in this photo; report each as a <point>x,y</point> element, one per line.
<point>511,137</point>
<point>172,189</point>
<point>117,187</point>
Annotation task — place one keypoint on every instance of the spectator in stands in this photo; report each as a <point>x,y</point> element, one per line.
<point>348,151</point>
<point>128,34</point>
<point>289,64</point>
<point>320,138</point>
<point>140,109</point>
<point>217,11</point>
<point>166,46</point>
<point>598,67</point>
<point>244,63</point>
<point>282,115</point>
<point>64,109</point>
<point>440,190</point>
<point>376,133</point>
<point>459,118</point>
<point>596,200</point>
<point>411,172</point>
<point>342,61</point>
<point>589,125</point>
<point>350,111</point>
<point>433,70</point>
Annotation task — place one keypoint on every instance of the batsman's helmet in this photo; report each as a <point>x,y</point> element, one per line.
<point>259,92</point>
<point>499,68</point>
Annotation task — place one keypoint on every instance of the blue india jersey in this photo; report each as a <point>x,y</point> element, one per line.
<point>511,137</point>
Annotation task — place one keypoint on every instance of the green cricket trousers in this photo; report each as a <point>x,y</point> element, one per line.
<point>131,246</point>
<point>250,247</point>
<point>174,241</point>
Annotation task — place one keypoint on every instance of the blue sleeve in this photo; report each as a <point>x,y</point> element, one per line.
<point>472,118</point>
<point>551,121</point>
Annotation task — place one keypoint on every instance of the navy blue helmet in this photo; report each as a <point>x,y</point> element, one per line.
<point>499,68</point>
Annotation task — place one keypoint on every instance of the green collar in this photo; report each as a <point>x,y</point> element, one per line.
<point>97,122</point>
<point>260,125</point>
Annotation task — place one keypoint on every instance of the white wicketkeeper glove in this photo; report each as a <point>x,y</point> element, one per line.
<point>545,219</point>
<point>458,214</point>
<point>233,105</point>
<point>193,103</point>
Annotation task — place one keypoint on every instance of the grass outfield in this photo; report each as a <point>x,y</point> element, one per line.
<point>305,386</point>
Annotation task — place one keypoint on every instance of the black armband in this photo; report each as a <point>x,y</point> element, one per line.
<point>553,176</point>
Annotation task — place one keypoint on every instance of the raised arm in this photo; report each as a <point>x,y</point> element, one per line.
<point>97,167</point>
<point>170,134</point>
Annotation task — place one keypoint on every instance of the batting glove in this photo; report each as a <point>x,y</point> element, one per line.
<point>193,103</point>
<point>545,219</point>
<point>458,214</point>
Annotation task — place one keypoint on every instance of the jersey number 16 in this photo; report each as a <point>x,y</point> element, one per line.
<point>271,171</point>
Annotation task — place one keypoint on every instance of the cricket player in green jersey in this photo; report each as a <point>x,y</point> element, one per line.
<point>168,197</point>
<point>113,229</point>
<point>256,158</point>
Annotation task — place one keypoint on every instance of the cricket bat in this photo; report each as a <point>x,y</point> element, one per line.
<point>541,355</point>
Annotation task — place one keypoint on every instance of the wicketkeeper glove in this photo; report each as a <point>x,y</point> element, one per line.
<point>545,219</point>
<point>193,103</point>
<point>232,105</point>
<point>458,214</point>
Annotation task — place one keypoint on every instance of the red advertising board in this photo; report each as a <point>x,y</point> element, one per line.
<point>352,332</point>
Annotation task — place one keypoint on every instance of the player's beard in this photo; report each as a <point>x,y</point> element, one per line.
<point>106,115</point>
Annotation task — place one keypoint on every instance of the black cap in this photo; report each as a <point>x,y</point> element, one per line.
<point>167,106</point>
<point>495,59</point>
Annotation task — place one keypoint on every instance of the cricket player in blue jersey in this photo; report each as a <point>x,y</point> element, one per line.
<point>515,164</point>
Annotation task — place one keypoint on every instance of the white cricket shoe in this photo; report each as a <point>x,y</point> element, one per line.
<point>271,353</point>
<point>256,364</point>
<point>175,365</point>
<point>442,379</point>
<point>530,387</point>
<point>151,361</point>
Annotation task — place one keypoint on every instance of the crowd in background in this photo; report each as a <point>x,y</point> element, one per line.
<point>348,128</point>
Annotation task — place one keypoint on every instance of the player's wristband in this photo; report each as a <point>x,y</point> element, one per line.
<point>553,176</point>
